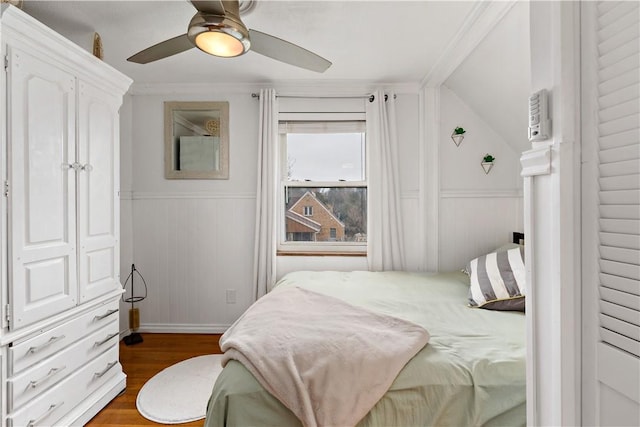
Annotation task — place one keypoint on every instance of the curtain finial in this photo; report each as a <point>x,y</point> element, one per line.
<point>373,97</point>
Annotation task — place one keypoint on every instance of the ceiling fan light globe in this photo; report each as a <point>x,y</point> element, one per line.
<point>219,35</point>
<point>219,43</point>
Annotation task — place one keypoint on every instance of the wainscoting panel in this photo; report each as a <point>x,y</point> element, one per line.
<point>191,252</point>
<point>411,228</point>
<point>126,252</point>
<point>472,225</point>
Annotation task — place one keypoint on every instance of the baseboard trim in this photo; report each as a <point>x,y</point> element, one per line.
<point>176,328</point>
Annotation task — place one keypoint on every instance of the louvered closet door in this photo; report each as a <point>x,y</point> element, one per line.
<point>611,181</point>
<point>98,207</point>
<point>42,210</point>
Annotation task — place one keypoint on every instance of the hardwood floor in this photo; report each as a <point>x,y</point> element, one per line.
<point>141,362</point>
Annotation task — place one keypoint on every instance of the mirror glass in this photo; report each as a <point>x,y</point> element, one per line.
<point>196,140</point>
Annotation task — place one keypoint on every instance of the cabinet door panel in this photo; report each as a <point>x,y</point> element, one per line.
<point>42,209</point>
<point>98,187</point>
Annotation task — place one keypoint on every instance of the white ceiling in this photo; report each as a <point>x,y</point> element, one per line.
<point>367,41</point>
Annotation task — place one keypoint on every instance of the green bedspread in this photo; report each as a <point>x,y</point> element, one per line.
<point>471,373</point>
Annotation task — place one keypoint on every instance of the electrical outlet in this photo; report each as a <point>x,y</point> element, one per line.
<point>231,296</point>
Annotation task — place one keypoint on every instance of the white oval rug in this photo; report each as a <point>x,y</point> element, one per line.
<point>179,393</point>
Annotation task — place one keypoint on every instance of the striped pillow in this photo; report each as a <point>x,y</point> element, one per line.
<point>498,281</point>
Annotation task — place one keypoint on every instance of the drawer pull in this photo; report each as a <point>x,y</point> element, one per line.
<point>107,314</point>
<point>47,344</point>
<point>52,372</point>
<point>99,343</point>
<point>48,412</point>
<point>105,370</point>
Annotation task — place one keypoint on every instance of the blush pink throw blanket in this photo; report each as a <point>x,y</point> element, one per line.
<point>326,360</point>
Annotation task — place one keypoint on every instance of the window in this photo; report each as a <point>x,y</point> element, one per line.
<point>324,186</point>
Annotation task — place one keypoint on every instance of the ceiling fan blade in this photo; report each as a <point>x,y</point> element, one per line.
<point>162,50</point>
<point>213,7</point>
<point>284,51</point>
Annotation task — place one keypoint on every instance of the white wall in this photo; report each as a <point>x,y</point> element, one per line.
<point>552,209</point>
<point>481,84</point>
<point>494,80</point>
<point>478,211</point>
<point>193,239</point>
<point>460,168</point>
<point>408,112</point>
<point>126,214</point>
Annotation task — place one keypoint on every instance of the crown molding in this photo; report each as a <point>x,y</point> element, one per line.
<point>481,194</point>
<point>22,31</point>
<point>536,161</point>
<point>482,18</point>
<point>298,88</point>
<point>168,195</point>
<point>16,3</point>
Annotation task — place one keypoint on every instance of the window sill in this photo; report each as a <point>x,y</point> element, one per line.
<point>319,253</point>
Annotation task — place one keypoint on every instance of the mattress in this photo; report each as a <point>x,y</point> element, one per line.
<point>471,373</point>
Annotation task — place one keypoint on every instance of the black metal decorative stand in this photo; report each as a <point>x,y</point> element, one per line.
<point>134,313</point>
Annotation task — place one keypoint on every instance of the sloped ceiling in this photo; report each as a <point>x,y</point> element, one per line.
<point>367,41</point>
<point>495,79</point>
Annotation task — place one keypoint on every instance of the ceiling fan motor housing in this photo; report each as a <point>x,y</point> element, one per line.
<point>228,25</point>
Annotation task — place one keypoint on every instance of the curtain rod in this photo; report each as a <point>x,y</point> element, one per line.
<point>371,98</point>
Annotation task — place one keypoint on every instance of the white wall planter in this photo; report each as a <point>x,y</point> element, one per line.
<point>487,166</point>
<point>457,138</point>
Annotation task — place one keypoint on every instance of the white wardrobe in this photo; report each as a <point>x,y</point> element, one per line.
<point>60,227</point>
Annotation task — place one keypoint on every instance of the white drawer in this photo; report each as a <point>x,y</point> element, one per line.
<point>33,350</point>
<point>52,405</point>
<point>40,377</point>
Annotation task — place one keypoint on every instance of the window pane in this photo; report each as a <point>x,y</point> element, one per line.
<point>325,156</point>
<point>335,214</point>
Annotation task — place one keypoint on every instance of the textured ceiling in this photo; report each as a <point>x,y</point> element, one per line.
<point>367,41</point>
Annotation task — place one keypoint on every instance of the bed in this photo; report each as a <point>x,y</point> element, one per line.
<point>471,372</point>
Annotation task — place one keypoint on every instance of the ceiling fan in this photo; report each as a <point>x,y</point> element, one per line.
<point>218,30</point>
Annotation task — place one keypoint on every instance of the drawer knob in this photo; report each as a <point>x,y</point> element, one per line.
<point>52,372</point>
<point>41,418</point>
<point>99,343</point>
<point>105,370</point>
<point>107,314</point>
<point>37,348</point>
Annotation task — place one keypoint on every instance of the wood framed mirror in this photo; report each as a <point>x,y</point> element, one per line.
<point>196,140</point>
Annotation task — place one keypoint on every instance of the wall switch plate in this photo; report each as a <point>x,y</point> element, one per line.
<point>539,123</point>
<point>231,296</point>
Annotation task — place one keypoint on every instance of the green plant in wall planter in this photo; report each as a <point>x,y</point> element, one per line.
<point>487,162</point>
<point>458,135</point>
